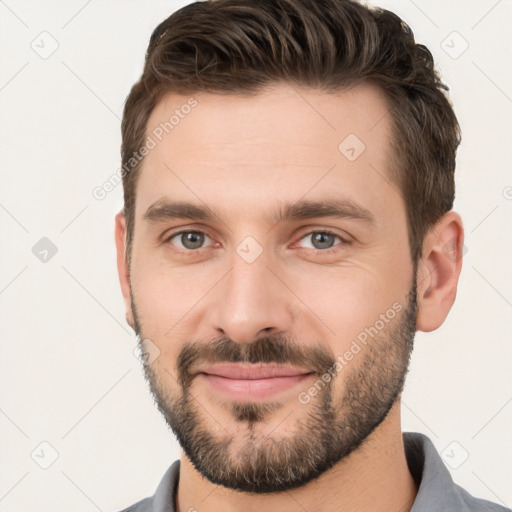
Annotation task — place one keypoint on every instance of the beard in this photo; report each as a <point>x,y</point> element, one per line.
<point>328,428</point>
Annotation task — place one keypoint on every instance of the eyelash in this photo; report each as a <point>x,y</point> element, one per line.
<point>193,252</point>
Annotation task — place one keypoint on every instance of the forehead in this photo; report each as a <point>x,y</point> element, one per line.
<point>284,143</point>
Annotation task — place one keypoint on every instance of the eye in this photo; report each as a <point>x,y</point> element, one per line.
<point>323,240</point>
<point>189,240</point>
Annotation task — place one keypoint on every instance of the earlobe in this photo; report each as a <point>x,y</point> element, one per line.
<point>439,270</point>
<point>129,320</point>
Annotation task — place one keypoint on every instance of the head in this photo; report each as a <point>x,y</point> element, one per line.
<point>288,174</point>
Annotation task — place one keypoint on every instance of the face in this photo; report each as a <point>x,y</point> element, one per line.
<point>271,280</point>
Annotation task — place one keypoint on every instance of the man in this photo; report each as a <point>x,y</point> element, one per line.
<point>288,173</point>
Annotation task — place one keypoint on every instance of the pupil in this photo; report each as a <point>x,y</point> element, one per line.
<point>192,240</point>
<point>320,238</point>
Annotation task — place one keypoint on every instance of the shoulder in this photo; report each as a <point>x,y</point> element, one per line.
<point>165,494</point>
<point>144,505</point>
<point>477,504</point>
<point>436,488</point>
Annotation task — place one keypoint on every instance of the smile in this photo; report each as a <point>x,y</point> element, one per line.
<point>251,382</point>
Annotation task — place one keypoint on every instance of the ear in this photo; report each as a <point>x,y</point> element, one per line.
<point>439,270</point>
<point>122,265</point>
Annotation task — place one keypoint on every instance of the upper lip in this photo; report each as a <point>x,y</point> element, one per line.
<point>251,371</point>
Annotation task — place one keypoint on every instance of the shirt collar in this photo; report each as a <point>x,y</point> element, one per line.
<point>436,489</point>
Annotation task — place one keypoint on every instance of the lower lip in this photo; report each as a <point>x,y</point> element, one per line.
<point>252,389</point>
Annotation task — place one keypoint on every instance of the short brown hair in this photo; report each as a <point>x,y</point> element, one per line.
<point>241,46</point>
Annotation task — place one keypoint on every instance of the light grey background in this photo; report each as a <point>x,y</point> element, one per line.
<point>69,377</point>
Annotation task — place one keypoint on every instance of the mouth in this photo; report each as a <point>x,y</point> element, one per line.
<point>251,381</point>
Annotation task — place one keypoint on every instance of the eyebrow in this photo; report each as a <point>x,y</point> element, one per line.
<point>165,210</point>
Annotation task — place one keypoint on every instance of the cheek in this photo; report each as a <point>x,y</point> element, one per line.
<point>159,309</point>
<point>155,298</point>
<point>343,302</point>
<point>171,301</point>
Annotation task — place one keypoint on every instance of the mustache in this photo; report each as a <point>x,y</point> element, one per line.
<point>270,349</point>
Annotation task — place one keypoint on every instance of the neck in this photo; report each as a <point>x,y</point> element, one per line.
<point>374,478</point>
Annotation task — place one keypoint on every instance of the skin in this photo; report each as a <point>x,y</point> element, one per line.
<point>242,156</point>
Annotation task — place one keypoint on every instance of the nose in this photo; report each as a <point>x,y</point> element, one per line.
<point>251,301</point>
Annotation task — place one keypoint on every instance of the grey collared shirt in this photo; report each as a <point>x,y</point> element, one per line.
<point>436,490</point>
